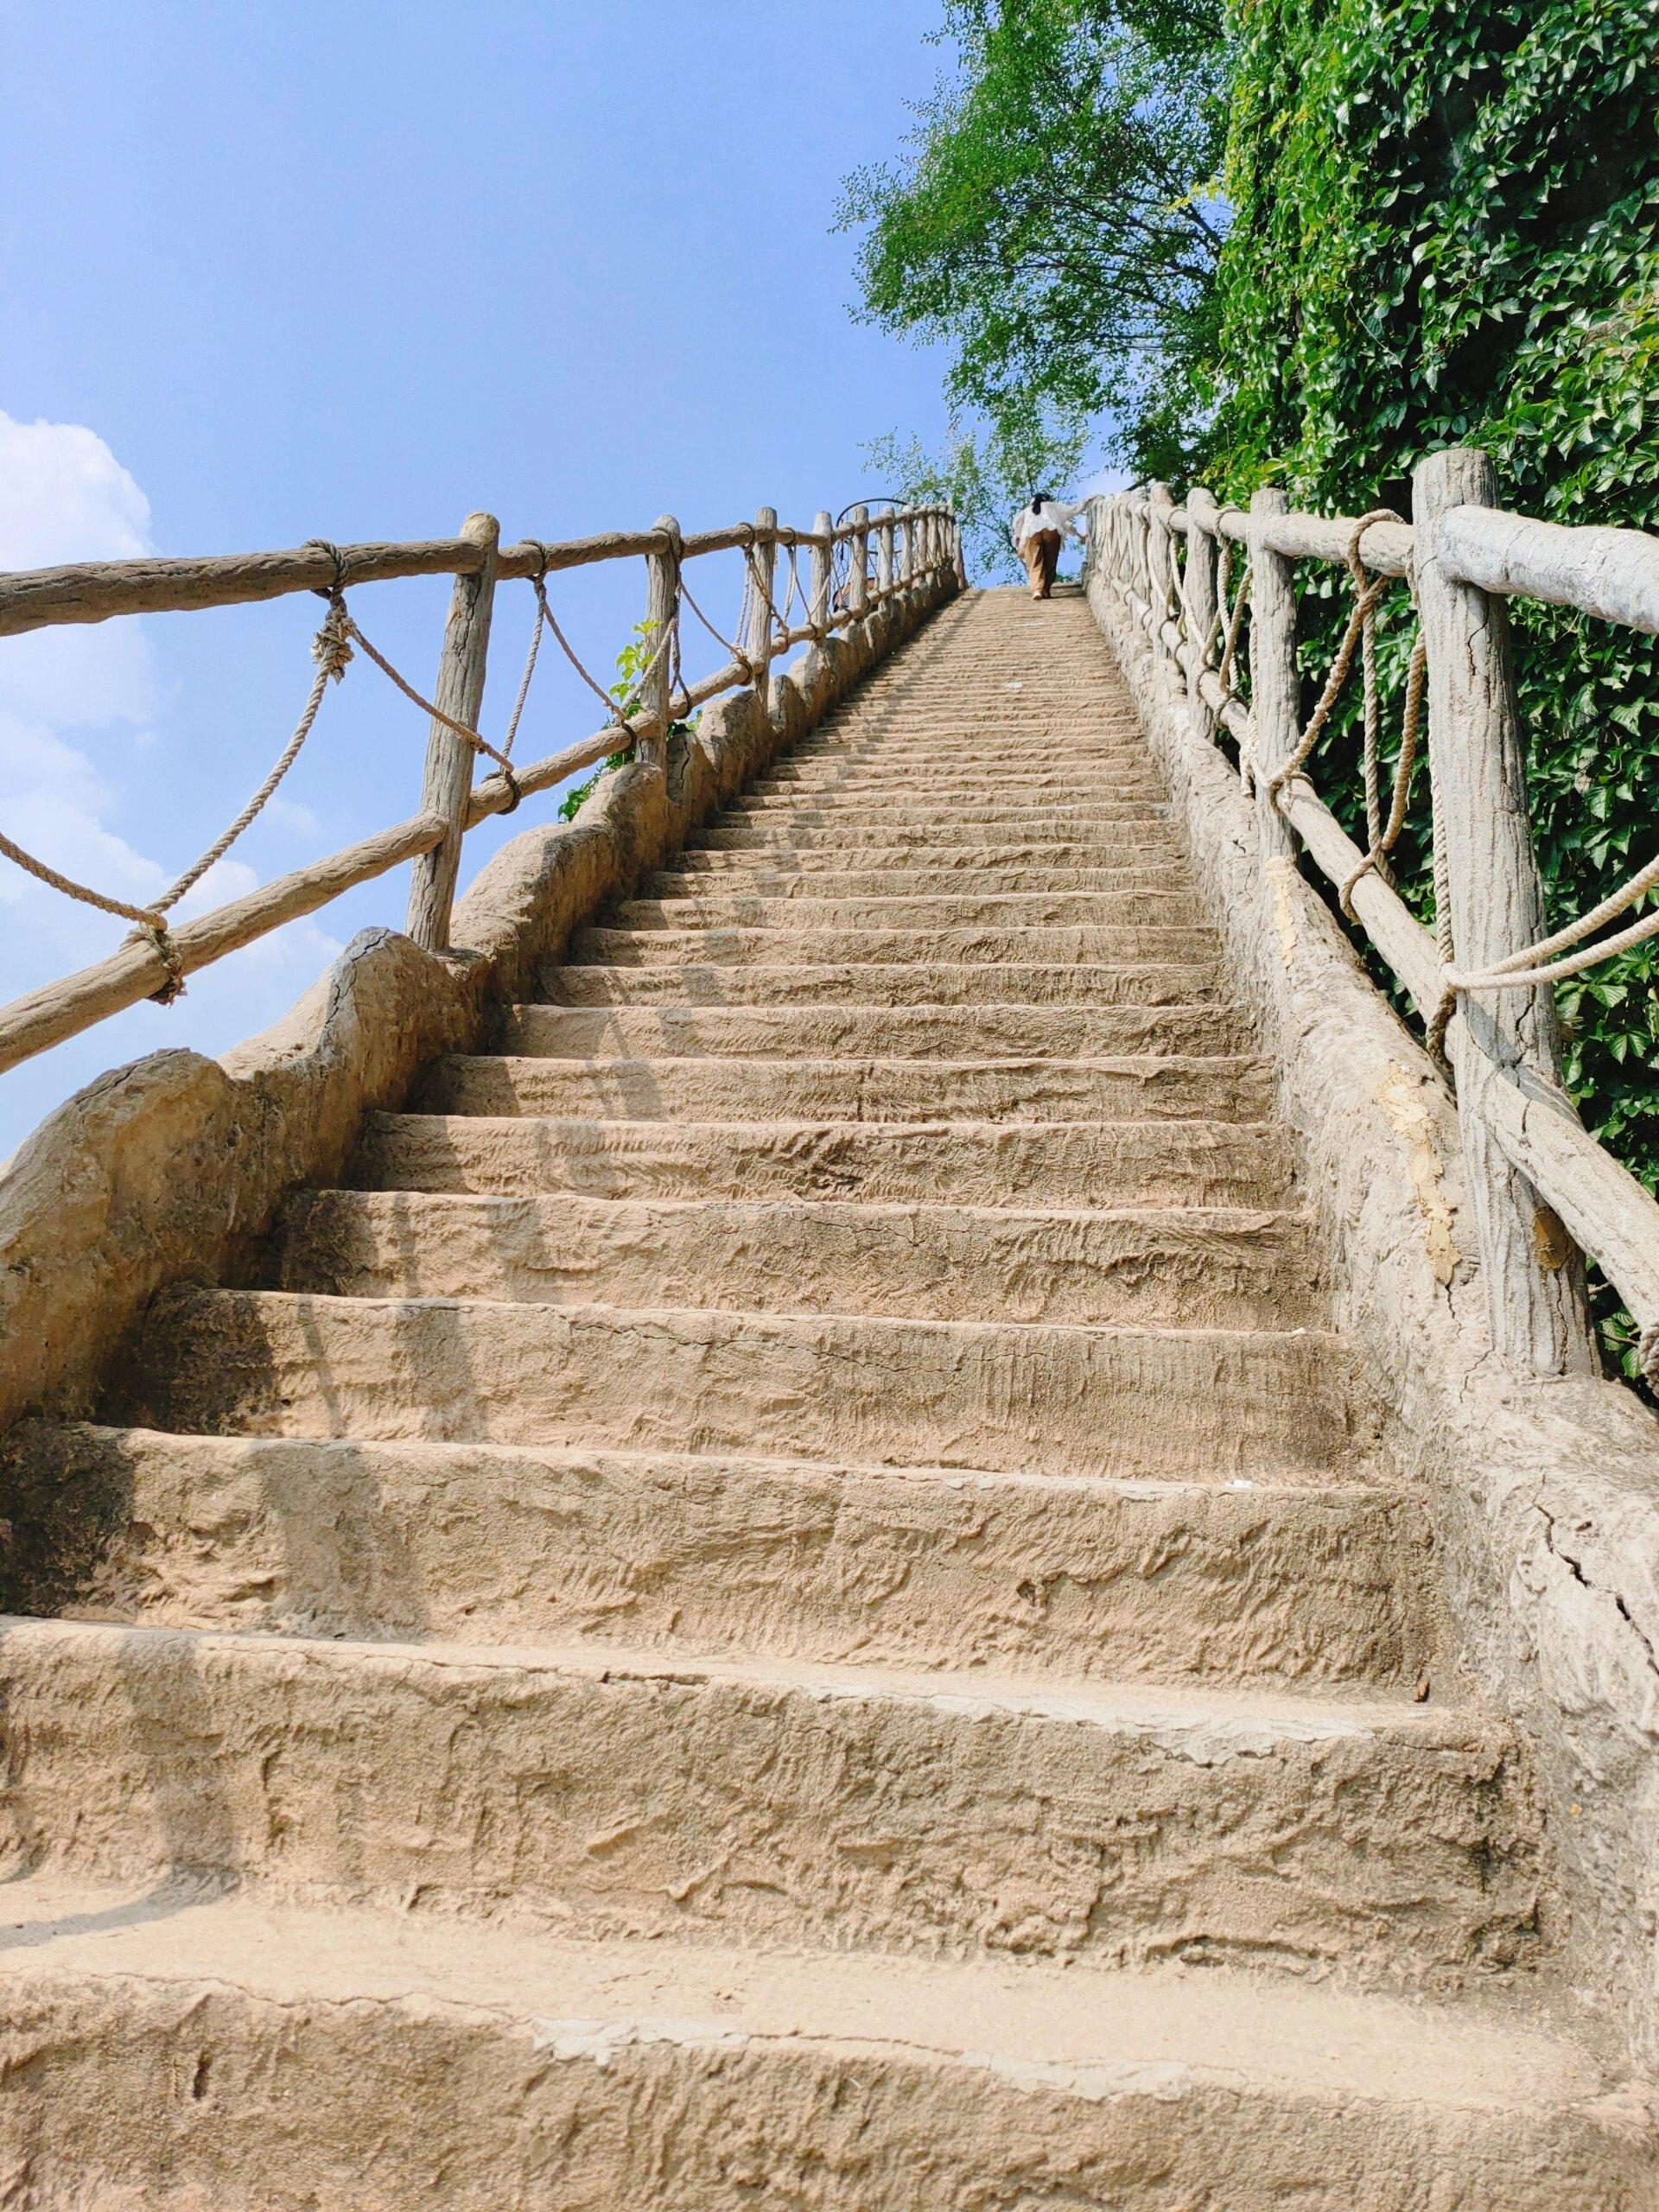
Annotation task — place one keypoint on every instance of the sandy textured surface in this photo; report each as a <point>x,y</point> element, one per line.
<point>767,1572</point>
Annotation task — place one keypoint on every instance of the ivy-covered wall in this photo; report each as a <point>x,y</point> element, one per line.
<point>1446,230</point>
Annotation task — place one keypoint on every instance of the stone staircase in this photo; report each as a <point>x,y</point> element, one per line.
<point>792,1602</point>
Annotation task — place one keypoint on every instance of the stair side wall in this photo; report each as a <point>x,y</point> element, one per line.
<point>173,1167</point>
<point>1545,1493</point>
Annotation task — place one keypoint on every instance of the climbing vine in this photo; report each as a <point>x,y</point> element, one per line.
<point>1446,230</point>
<point>633,664</point>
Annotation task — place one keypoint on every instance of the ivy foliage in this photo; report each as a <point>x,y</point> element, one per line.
<point>1445,231</point>
<point>633,664</point>
<point>1437,223</point>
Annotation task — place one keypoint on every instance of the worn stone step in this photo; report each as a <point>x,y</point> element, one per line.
<point>890,983</point>
<point>918,911</point>
<point>770,1800</point>
<point>1084,812</point>
<point>951,1032</point>
<point>180,2048</point>
<point>975,778</point>
<point>977,765</point>
<point>982,775</point>
<point>1224,1087</point>
<point>1189,1580</point>
<point>1196,1268</point>
<point>1147,833</point>
<point>855,873</point>
<point>1007,1163</point>
<point>1040,1396</point>
<point>1097,944</point>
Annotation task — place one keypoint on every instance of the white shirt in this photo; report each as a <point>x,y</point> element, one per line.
<point>1052,514</point>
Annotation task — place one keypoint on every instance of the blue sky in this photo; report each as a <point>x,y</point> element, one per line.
<point>273,273</point>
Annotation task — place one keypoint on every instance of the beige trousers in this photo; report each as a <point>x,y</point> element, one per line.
<point>1041,554</point>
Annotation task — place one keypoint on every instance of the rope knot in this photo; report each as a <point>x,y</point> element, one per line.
<point>154,931</point>
<point>331,648</point>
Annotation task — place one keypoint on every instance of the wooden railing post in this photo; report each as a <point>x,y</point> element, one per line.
<point>448,780</point>
<point>1159,549</point>
<point>1199,584</point>
<point>858,588</point>
<point>818,609</point>
<point>661,612</point>
<point>1276,683</point>
<point>884,569</point>
<point>1141,567</point>
<point>1535,1278</point>
<point>757,645</point>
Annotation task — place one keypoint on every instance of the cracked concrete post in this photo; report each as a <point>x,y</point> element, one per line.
<point>1535,1275</point>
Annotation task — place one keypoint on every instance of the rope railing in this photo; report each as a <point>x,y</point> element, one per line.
<point>1460,557</point>
<point>640,711</point>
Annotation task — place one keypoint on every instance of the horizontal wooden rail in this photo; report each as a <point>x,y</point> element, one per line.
<point>96,591</point>
<point>1613,574</point>
<point>47,1016</point>
<point>1473,555</point>
<point>1386,547</point>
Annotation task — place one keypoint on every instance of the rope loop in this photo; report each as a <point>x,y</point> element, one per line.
<point>1368,590</point>
<point>337,558</point>
<point>1380,847</point>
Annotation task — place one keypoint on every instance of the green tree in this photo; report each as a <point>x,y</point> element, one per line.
<point>1055,221</point>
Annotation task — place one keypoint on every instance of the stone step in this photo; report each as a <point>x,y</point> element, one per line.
<point>1191,1580</point>
<point>941,726</point>
<point>901,908</point>
<point>1224,1087</point>
<point>1194,1267</point>
<point>891,983</point>
<point>764,1800</point>
<point>1098,945</point>
<point>1084,812</point>
<point>1119,777</point>
<point>1008,1163</point>
<point>953,1033</point>
<point>1145,836</point>
<point>181,2050</point>
<point>776,874</point>
<point>974,773</point>
<point>1038,1397</point>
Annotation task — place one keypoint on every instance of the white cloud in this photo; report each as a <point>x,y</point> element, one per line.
<point>67,498</point>
<point>77,706</point>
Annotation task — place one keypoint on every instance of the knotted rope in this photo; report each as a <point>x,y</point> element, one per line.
<point>1535,964</point>
<point>335,595</point>
<point>756,588</point>
<point>1234,621</point>
<point>1383,839</point>
<point>1368,590</point>
<point>544,614</point>
<point>736,652</point>
<point>332,652</point>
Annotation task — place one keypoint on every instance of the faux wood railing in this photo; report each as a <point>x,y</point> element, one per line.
<point>1533,1168</point>
<point>853,568</point>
